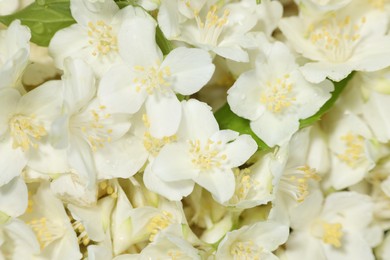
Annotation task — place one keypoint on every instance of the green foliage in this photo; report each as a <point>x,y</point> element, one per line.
<point>228,120</point>
<point>44,18</point>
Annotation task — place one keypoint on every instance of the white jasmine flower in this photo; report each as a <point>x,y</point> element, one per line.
<point>253,242</point>
<point>275,96</point>
<point>14,53</point>
<point>150,79</point>
<point>334,230</point>
<point>24,129</point>
<point>352,154</point>
<point>203,155</point>
<point>339,43</point>
<point>86,125</point>
<point>94,37</point>
<point>256,185</point>
<point>51,225</point>
<point>209,25</point>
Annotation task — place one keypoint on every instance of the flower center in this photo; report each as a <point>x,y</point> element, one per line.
<point>102,38</point>
<point>212,27</point>
<point>245,185</point>
<point>296,182</point>
<point>208,156</point>
<point>332,234</point>
<point>93,129</point>
<point>176,254</point>
<point>336,38</point>
<point>277,94</point>
<point>25,131</point>
<point>354,150</point>
<point>158,223</point>
<point>46,231</point>
<point>245,250</point>
<point>152,79</point>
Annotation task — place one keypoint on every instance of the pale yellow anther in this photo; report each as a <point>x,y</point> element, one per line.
<point>332,234</point>
<point>354,149</point>
<point>152,79</point>
<point>158,223</point>
<point>102,38</point>
<point>207,156</point>
<point>278,94</point>
<point>26,131</point>
<point>245,250</point>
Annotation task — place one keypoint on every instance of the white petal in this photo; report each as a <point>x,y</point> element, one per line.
<point>244,96</point>
<point>71,41</point>
<point>84,11</point>
<point>173,163</point>
<point>80,159</point>
<point>44,101</point>
<point>9,98</point>
<point>220,184</point>
<point>164,113</point>
<point>190,69</point>
<point>173,191</point>
<point>198,122</point>
<point>118,93</point>
<point>12,161</point>
<point>13,197</point>
<point>316,72</point>
<point>78,83</point>
<point>274,130</point>
<point>302,245</point>
<point>121,159</point>
<point>138,34</point>
<point>239,151</point>
<point>168,19</point>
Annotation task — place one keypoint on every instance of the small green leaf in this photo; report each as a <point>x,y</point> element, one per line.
<point>338,88</point>
<point>228,120</point>
<point>44,18</point>
<point>124,3</point>
<point>162,42</point>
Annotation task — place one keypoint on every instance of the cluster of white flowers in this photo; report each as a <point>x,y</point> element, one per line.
<point>113,143</point>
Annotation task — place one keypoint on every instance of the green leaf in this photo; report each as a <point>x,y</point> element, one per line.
<point>44,18</point>
<point>162,42</point>
<point>338,88</point>
<point>124,3</point>
<point>258,2</point>
<point>228,120</point>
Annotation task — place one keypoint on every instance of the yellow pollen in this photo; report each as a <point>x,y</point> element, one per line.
<point>108,189</point>
<point>158,223</point>
<point>296,183</point>
<point>25,131</point>
<point>102,38</point>
<point>175,254</point>
<point>332,234</point>
<point>380,4</point>
<point>336,38</point>
<point>245,250</point>
<point>277,95</point>
<point>354,150</point>
<point>82,236</point>
<point>152,79</point>
<point>45,231</point>
<point>97,133</point>
<point>212,26</point>
<point>153,145</point>
<point>207,156</point>
<point>245,184</point>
